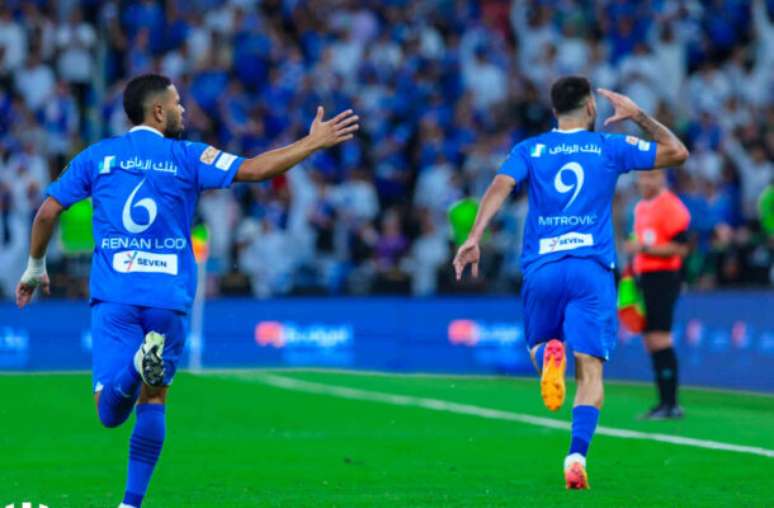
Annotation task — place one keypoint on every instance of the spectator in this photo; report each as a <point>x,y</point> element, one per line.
<point>35,82</point>
<point>443,95</point>
<point>76,41</point>
<point>486,81</point>
<point>429,253</point>
<point>756,170</point>
<point>13,42</point>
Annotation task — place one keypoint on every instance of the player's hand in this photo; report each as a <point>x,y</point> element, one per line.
<point>338,129</point>
<point>27,285</point>
<point>468,254</point>
<point>632,247</point>
<point>623,107</point>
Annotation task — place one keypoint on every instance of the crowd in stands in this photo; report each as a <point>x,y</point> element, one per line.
<point>444,88</point>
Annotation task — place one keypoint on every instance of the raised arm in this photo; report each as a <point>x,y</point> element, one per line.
<point>321,135</point>
<point>493,199</point>
<point>670,151</point>
<point>35,275</point>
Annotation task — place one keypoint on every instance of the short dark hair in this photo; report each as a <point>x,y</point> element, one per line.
<point>568,93</point>
<point>138,91</point>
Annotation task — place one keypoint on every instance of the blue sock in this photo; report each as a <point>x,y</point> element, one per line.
<point>144,449</point>
<point>117,398</point>
<point>539,356</point>
<point>584,423</point>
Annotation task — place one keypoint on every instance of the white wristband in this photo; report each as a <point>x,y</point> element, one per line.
<point>36,268</point>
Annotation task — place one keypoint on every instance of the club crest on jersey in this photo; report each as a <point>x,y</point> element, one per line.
<point>537,150</point>
<point>209,155</point>
<point>632,140</point>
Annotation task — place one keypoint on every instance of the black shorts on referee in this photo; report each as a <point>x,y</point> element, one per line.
<point>660,290</point>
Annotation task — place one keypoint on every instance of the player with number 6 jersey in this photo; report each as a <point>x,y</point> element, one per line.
<point>568,252</point>
<point>144,186</point>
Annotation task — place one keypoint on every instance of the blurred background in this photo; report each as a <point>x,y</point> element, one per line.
<point>444,89</point>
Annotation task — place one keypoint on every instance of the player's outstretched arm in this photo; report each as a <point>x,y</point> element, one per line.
<point>322,134</point>
<point>670,151</point>
<point>495,195</point>
<point>35,275</point>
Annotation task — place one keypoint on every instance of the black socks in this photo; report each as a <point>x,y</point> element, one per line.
<point>665,373</point>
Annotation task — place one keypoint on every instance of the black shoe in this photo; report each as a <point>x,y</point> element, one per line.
<point>675,412</point>
<point>663,412</point>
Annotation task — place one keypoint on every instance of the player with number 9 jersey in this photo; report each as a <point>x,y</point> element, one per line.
<point>568,253</point>
<point>571,175</point>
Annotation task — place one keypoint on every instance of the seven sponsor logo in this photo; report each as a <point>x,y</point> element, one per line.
<point>567,241</point>
<point>134,261</point>
<point>26,504</point>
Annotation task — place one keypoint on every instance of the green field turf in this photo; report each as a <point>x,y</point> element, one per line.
<point>233,440</point>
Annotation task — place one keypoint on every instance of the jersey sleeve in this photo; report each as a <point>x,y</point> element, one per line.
<point>678,219</point>
<point>212,168</point>
<point>631,153</point>
<point>74,184</point>
<point>516,165</point>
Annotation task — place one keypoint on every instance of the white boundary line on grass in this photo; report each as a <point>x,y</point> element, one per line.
<point>493,414</point>
<point>435,375</point>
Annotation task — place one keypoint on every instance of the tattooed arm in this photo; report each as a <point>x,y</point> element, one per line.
<point>670,151</point>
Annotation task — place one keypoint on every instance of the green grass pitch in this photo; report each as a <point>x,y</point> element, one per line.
<point>234,440</point>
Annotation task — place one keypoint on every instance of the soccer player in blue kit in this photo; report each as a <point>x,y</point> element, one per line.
<point>145,185</point>
<point>568,253</point>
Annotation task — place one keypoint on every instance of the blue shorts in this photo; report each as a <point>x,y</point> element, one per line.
<point>573,300</point>
<point>118,330</point>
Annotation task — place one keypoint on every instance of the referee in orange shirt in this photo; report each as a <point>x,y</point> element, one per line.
<point>660,224</point>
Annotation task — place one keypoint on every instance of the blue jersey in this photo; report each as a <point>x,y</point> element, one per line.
<point>144,189</point>
<point>571,177</point>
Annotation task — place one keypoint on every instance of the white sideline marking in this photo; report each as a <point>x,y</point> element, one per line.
<point>494,414</point>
